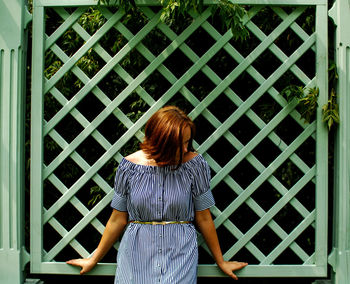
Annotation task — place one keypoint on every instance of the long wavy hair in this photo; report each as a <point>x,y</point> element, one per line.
<point>164,131</point>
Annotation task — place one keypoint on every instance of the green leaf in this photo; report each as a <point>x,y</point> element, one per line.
<point>331,111</point>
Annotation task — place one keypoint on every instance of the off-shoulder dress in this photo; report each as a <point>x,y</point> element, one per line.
<point>166,254</point>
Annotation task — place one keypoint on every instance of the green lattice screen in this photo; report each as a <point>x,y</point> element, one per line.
<point>270,183</point>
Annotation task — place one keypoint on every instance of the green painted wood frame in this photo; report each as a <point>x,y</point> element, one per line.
<point>313,265</point>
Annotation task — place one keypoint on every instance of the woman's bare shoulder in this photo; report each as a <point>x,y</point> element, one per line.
<point>189,156</point>
<point>135,157</point>
<point>139,158</point>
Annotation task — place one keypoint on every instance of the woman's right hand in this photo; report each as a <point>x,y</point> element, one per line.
<point>86,264</point>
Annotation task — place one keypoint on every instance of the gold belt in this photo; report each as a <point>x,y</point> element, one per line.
<point>160,222</point>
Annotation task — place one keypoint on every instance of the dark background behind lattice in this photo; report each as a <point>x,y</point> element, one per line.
<point>132,106</point>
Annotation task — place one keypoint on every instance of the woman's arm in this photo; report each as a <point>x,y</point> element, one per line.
<point>207,228</point>
<point>114,227</point>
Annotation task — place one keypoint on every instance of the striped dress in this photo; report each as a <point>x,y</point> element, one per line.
<point>166,254</point>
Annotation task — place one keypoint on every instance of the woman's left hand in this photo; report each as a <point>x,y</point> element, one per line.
<point>229,266</point>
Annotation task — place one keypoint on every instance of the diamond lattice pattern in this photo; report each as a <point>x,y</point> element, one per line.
<point>260,151</point>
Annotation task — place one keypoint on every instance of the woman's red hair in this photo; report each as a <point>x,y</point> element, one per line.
<point>164,136</point>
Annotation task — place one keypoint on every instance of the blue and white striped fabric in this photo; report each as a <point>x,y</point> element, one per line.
<point>166,254</point>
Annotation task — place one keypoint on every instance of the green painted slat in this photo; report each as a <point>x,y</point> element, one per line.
<point>270,214</point>
<point>255,96</point>
<point>295,27</point>
<point>250,59</point>
<point>83,122</point>
<point>254,73</point>
<point>79,118</point>
<point>105,201</point>
<point>217,124</point>
<point>2,197</point>
<point>260,79</point>
<point>205,2</point>
<point>286,242</point>
<point>63,268</point>
<point>97,92</point>
<point>76,203</point>
<point>79,206</point>
<point>103,72</point>
<point>209,270</point>
<point>339,258</point>
<point>261,256</point>
<point>251,144</point>
<point>283,236</point>
<point>64,27</point>
<point>311,260</point>
<point>282,271</point>
<point>37,141</point>
<point>12,155</point>
<point>248,192</point>
<point>117,69</point>
<point>142,76</point>
<point>81,162</point>
<point>230,94</point>
<point>84,49</point>
<point>178,85</point>
<point>74,243</point>
<point>254,250</point>
<point>5,135</point>
<point>102,97</point>
<point>321,135</point>
<point>256,207</point>
<point>84,166</point>
<point>279,53</point>
<point>267,172</point>
<point>143,52</point>
<point>120,142</point>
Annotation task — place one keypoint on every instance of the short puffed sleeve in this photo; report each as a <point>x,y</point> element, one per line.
<point>202,195</point>
<point>119,201</point>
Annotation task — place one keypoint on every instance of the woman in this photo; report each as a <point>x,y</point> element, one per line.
<point>159,191</point>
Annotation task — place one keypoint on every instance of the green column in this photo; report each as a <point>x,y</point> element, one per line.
<point>13,20</point>
<point>340,256</point>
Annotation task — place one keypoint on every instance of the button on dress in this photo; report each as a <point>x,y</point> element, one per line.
<point>166,254</point>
